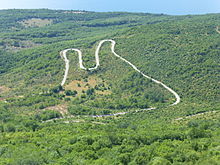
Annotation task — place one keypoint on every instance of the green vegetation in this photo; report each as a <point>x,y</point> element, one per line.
<point>42,122</point>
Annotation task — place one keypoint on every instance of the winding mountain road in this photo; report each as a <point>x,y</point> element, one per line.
<point>64,53</point>
<point>64,56</point>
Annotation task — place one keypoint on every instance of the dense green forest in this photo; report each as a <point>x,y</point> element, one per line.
<point>42,122</point>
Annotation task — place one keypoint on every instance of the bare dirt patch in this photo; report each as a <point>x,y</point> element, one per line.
<point>106,92</point>
<point>78,86</point>
<point>62,108</point>
<point>92,82</point>
<point>36,22</point>
<point>4,89</point>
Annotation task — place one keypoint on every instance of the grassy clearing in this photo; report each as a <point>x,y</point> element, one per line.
<point>36,22</point>
<point>80,86</point>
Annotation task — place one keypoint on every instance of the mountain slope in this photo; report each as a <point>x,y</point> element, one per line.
<point>55,123</point>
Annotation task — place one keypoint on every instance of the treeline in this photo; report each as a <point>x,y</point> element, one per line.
<point>10,18</point>
<point>120,142</point>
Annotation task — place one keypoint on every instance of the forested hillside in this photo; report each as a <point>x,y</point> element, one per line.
<point>42,122</point>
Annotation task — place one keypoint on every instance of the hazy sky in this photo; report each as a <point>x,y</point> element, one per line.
<point>148,6</point>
